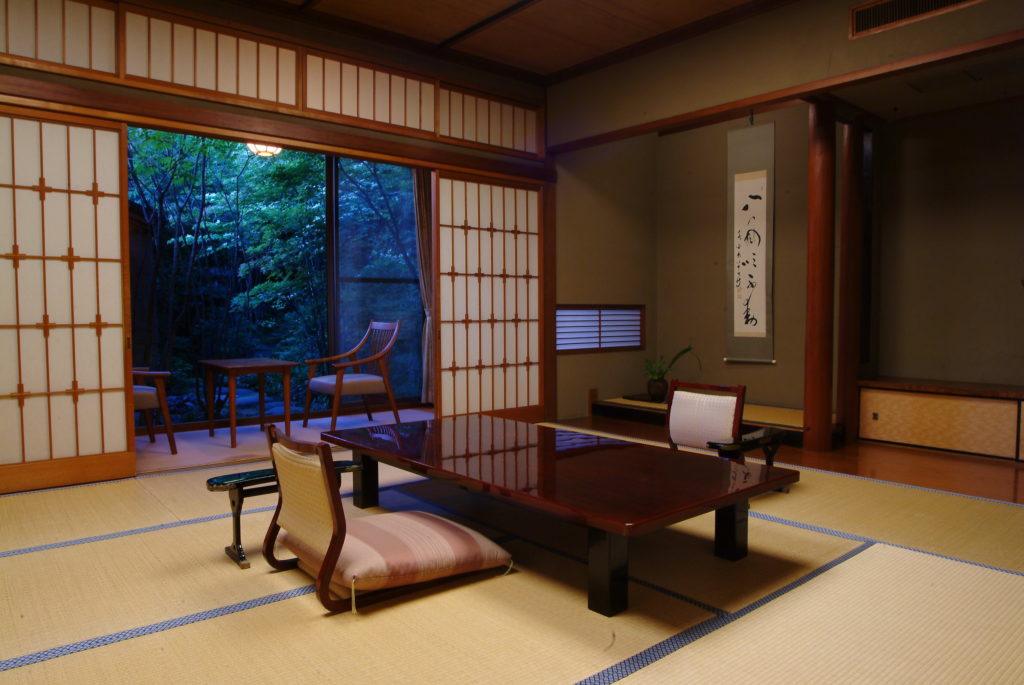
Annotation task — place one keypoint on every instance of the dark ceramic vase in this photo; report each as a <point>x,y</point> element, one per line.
<point>657,389</point>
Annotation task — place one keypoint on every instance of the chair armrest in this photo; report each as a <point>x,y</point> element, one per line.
<point>759,438</point>
<point>364,360</point>
<point>321,360</point>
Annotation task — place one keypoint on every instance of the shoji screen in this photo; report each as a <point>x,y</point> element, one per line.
<point>75,34</point>
<point>488,291</point>
<point>479,119</point>
<point>62,320</point>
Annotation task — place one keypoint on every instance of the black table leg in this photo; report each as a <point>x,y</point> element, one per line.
<point>235,550</point>
<point>365,490</point>
<point>731,531</point>
<point>608,570</point>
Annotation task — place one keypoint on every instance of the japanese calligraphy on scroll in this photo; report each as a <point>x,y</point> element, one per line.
<point>749,244</point>
<point>750,209</point>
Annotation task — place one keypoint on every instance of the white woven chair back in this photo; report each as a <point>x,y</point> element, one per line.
<point>698,418</point>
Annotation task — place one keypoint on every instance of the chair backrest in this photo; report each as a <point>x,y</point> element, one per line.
<point>309,507</point>
<point>380,338</point>
<point>699,413</point>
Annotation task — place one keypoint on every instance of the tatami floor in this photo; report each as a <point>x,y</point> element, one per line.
<point>849,579</point>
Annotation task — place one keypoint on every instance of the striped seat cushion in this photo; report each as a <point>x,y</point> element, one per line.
<point>401,548</point>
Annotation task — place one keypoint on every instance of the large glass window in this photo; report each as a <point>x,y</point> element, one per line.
<point>230,258</point>
<point>377,263</point>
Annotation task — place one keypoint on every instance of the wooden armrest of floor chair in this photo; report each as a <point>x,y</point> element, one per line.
<point>699,414</point>
<point>369,553</point>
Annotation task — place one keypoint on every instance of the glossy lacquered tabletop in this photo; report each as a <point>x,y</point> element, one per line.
<point>617,486</point>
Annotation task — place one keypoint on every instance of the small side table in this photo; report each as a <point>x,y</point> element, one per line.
<point>233,368</point>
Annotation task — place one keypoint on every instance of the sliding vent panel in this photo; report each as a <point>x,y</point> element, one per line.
<point>580,328</point>
<point>74,34</point>
<point>358,91</point>
<point>880,15</point>
<point>489,295</point>
<point>486,121</point>
<point>62,337</point>
<point>187,56</point>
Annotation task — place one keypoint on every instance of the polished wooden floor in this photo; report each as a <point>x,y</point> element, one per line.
<point>969,475</point>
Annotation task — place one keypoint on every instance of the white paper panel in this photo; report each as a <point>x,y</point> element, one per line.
<point>447,393</point>
<point>365,93</point>
<point>8,361</point>
<point>412,103</point>
<point>494,128</point>
<point>87,356</point>
<point>444,202</point>
<point>519,129</point>
<point>455,115</point>
<point>266,60</point>
<point>6,170</point>
<point>107,162</point>
<point>49,29</point>
<point>28,213</point>
<point>104,39</point>
<point>84,279</point>
<point>62,371</point>
<point>55,155</point>
<point>206,59</point>
<point>458,203</point>
<point>314,82</point>
<point>112,358</point>
<point>183,62</point>
<point>81,153</point>
<point>427,106</point>
<point>8,310</point>
<point>89,425</point>
<point>286,76</point>
<point>33,360</point>
<point>136,44</point>
<point>381,96</point>
<point>37,428</point>
<point>30,291</point>
<point>3,25</point>
<point>21,17</point>
<point>334,84</point>
<point>348,74</point>
<point>55,224</point>
<point>482,120</point>
<point>507,125</point>
<point>159,49</point>
<point>447,345</point>
<point>227,63</point>
<point>10,425</point>
<point>58,290</point>
<point>397,100</point>
<point>444,113</point>
<point>460,392</point>
<point>110,292</point>
<point>83,226</point>
<point>247,74</point>
<point>114,426</point>
<point>26,152</point>
<point>469,117</point>
<point>108,213</point>
<point>531,131</point>
<point>62,418</point>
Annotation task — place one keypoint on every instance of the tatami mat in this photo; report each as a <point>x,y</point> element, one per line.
<point>885,616</point>
<point>529,626</point>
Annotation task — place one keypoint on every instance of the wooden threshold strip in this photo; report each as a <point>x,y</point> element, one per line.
<point>776,98</point>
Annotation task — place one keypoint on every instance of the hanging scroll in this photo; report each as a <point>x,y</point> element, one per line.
<point>750,172</point>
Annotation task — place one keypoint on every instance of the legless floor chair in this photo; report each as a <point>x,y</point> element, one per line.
<point>366,376</point>
<point>372,554</point>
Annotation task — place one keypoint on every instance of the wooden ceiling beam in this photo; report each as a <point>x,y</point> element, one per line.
<point>514,8</point>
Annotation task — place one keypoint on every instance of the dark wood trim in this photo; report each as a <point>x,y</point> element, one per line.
<point>771,99</point>
<point>670,37</point>
<point>818,335</point>
<point>851,269</point>
<point>853,35</point>
<point>593,350</point>
<point>50,473</point>
<point>935,387</point>
<point>514,8</point>
<point>178,113</point>
<point>549,260</point>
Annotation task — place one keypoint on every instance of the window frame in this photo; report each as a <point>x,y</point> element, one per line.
<point>642,309</point>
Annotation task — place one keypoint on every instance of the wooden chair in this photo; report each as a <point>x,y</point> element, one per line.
<point>699,414</point>
<point>347,380</point>
<point>377,553</point>
<point>149,398</point>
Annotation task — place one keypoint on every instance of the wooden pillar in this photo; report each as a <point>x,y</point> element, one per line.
<point>851,281</point>
<point>821,175</point>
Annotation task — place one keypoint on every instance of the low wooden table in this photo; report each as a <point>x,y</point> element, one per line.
<point>617,490</point>
<point>233,368</point>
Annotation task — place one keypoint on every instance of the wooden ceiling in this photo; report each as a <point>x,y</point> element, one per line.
<point>550,39</point>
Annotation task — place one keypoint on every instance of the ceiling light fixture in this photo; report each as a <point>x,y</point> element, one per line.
<point>263,150</point>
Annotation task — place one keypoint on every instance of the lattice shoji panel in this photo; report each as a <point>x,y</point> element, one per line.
<point>62,338</point>
<point>489,295</point>
<point>74,34</point>
<point>191,56</point>
<point>367,93</point>
<point>466,116</point>
<point>492,450</point>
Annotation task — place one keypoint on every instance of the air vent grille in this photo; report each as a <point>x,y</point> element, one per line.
<point>880,15</point>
